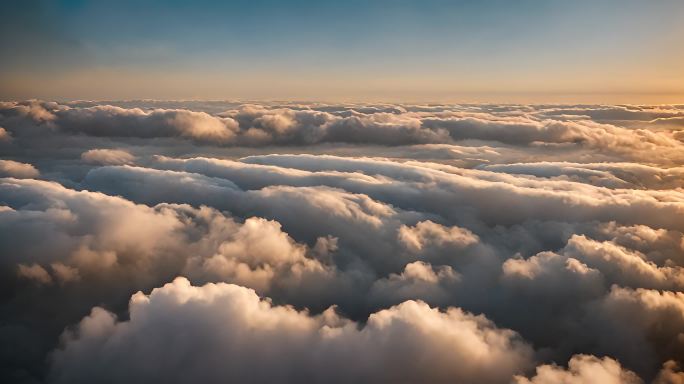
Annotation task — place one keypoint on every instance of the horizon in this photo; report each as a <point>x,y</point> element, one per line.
<point>608,51</point>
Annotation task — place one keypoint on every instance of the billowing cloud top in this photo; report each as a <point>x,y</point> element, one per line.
<point>219,242</point>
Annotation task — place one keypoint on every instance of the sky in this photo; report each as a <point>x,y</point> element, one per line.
<point>430,50</point>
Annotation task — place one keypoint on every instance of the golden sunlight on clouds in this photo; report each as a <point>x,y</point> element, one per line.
<point>415,191</point>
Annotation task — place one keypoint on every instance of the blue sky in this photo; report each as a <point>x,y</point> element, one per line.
<point>427,49</point>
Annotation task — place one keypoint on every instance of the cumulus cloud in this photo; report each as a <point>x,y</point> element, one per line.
<point>656,320</point>
<point>603,261</point>
<point>419,280</point>
<point>427,233</point>
<point>623,266</point>
<point>11,168</point>
<point>583,369</point>
<point>115,121</point>
<point>90,234</point>
<point>232,335</point>
<point>258,255</point>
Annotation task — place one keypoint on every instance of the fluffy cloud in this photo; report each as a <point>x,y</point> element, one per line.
<point>419,280</point>
<point>94,247</point>
<point>220,332</point>
<point>656,321</point>
<point>583,369</point>
<point>258,254</point>
<point>601,261</point>
<point>623,266</point>
<point>427,233</point>
<point>452,192</point>
<point>10,168</point>
<point>85,233</point>
<point>116,121</point>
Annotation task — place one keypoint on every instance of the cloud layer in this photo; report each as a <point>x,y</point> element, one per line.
<point>338,243</point>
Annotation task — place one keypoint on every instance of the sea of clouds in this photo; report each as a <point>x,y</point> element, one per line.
<point>213,242</point>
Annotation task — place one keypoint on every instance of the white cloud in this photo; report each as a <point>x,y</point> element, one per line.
<point>232,335</point>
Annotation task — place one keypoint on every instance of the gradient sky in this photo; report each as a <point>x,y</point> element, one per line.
<point>427,50</point>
